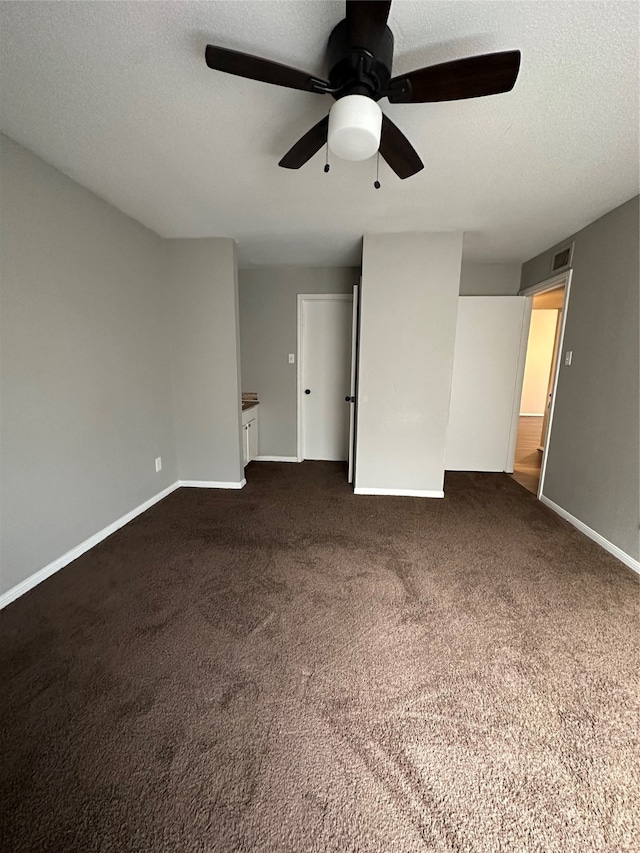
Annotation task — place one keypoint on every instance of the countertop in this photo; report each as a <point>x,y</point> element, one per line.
<point>249,404</point>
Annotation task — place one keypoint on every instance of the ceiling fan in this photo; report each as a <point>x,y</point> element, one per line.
<point>360,56</point>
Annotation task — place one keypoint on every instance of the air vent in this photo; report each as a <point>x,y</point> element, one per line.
<point>562,259</point>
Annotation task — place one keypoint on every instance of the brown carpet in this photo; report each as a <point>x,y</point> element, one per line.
<point>293,668</point>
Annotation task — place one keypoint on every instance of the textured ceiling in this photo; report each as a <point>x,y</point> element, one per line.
<point>117,95</point>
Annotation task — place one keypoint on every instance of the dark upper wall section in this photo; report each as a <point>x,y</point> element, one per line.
<point>593,465</point>
<point>489,279</point>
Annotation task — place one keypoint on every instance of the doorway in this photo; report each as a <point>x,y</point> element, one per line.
<point>548,310</point>
<point>325,324</point>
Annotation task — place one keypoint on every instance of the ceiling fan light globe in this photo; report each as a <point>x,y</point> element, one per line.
<point>355,123</point>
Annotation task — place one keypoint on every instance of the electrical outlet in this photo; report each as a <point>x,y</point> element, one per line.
<point>292,358</point>
<point>159,464</point>
<point>568,356</point>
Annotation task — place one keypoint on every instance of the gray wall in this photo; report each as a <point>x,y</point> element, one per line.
<point>268,333</point>
<point>205,355</point>
<point>489,279</point>
<point>408,309</point>
<point>593,464</point>
<point>86,394</point>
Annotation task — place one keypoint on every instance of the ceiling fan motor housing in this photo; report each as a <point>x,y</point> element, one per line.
<point>362,69</point>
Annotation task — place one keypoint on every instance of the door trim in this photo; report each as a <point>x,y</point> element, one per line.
<point>301,299</point>
<point>563,279</point>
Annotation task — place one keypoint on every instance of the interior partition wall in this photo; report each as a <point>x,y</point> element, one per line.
<point>408,308</point>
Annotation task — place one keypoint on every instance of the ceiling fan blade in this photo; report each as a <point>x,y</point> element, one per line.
<point>488,74</point>
<point>366,22</point>
<point>306,146</point>
<point>398,151</point>
<point>255,68</point>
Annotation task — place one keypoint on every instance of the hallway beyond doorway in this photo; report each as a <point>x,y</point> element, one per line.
<point>526,467</point>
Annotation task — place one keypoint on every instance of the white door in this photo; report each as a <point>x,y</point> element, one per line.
<point>325,372</point>
<point>485,372</point>
<point>352,385</point>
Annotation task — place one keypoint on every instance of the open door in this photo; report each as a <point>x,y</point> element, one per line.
<point>489,333</point>
<point>354,380</point>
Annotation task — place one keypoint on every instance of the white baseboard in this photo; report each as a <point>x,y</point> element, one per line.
<point>212,484</point>
<point>409,493</point>
<point>79,550</point>
<point>531,414</point>
<point>83,547</point>
<point>276,459</point>
<point>604,543</point>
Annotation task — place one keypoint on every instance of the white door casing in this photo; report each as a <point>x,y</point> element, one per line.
<point>324,367</point>
<point>485,372</point>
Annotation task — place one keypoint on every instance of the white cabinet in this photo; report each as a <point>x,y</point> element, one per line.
<point>249,434</point>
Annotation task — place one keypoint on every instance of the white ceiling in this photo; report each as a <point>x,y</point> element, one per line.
<point>118,96</point>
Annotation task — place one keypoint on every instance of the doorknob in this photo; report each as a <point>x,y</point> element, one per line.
<point>307,390</point>
<point>349,399</point>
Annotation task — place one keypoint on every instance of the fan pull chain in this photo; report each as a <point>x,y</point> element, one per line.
<point>376,183</point>
<point>326,162</point>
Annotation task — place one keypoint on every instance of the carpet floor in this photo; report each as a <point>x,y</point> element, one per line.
<point>294,668</point>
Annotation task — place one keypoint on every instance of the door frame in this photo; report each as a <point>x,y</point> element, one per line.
<point>558,280</point>
<point>301,299</point>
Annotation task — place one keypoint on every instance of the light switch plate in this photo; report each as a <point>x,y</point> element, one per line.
<point>292,358</point>
<point>568,356</point>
